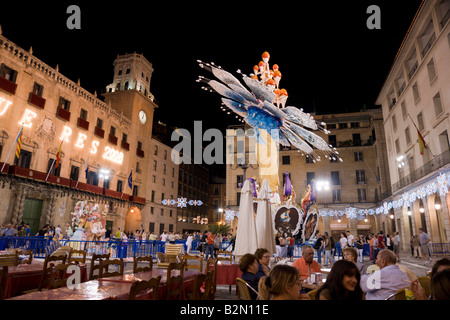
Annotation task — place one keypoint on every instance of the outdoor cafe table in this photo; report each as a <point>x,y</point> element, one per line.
<point>114,288</point>
<point>27,277</point>
<point>227,272</point>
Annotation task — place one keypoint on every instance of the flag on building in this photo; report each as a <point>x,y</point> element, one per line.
<point>130,180</point>
<point>19,143</point>
<point>58,156</point>
<point>86,171</point>
<point>422,144</point>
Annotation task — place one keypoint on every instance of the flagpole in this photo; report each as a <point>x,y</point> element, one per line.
<point>427,147</point>
<point>7,158</point>
<point>84,168</point>
<point>51,168</point>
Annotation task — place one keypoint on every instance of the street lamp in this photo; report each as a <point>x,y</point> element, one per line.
<point>104,174</point>
<point>400,161</point>
<point>437,203</point>
<point>421,208</point>
<point>409,211</point>
<point>322,185</point>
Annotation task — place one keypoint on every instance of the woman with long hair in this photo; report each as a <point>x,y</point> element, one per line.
<point>283,283</point>
<point>343,283</point>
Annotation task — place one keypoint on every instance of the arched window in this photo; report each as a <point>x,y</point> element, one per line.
<point>126,86</point>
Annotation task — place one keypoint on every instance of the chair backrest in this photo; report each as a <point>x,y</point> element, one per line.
<point>202,286</point>
<point>3,281</point>
<point>211,264</point>
<point>425,282</point>
<point>399,295</point>
<point>224,256</point>
<point>8,260</point>
<point>197,262</point>
<point>20,252</point>
<point>58,275</point>
<point>173,249</point>
<point>175,283</point>
<point>137,260</point>
<point>95,258</point>
<point>244,291</point>
<point>140,286</point>
<point>104,268</point>
<point>53,259</point>
<point>312,294</point>
<point>77,256</point>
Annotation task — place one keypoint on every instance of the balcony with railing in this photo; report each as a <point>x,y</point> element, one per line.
<point>7,86</point>
<point>430,167</point>
<point>429,44</point>
<point>36,100</point>
<point>445,18</point>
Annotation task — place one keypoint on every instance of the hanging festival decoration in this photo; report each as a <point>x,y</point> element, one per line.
<point>182,202</point>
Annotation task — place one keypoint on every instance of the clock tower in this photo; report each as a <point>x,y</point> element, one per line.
<point>130,92</point>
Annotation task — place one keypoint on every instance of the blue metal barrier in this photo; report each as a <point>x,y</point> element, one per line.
<point>440,248</point>
<point>36,244</point>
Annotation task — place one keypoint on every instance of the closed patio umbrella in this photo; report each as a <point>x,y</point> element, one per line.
<point>246,239</point>
<point>264,222</point>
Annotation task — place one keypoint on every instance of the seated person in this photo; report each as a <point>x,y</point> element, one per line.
<point>440,285</point>
<point>350,254</point>
<point>249,267</point>
<point>283,283</point>
<point>385,282</point>
<point>306,264</point>
<point>416,288</point>
<point>263,257</point>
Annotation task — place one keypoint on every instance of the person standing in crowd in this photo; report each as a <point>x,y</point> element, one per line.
<point>360,247</point>
<point>217,244</point>
<point>249,267</point>
<point>277,245</point>
<point>425,245</point>
<point>290,243</point>
<point>343,241</point>
<point>164,236</point>
<point>209,245</point>
<point>397,246</point>
<point>328,250</point>
<point>189,240</point>
<point>343,283</point>
<point>283,283</point>
<point>319,246</point>
<point>390,278</point>
<point>371,244</point>
<point>350,239</point>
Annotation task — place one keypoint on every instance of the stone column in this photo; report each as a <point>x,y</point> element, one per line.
<point>49,215</point>
<point>19,205</point>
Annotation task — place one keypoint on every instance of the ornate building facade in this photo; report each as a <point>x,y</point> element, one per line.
<point>101,143</point>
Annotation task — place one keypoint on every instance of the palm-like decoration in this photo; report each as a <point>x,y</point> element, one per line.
<point>287,125</point>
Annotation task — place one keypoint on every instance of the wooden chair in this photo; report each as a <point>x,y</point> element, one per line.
<point>224,256</point>
<point>3,281</point>
<point>244,290</point>
<point>202,287</point>
<point>6,261</point>
<point>137,260</point>
<point>77,256</point>
<point>28,253</point>
<point>425,282</point>
<point>172,255</point>
<point>211,264</point>
<point>58,276</point>
<point>104,268</point>
<point>140,286</point>
<point>193,266</point>
<point>312,294</point>
<point>95,258</point>
<point>399,295</point>
<point>175,283</point>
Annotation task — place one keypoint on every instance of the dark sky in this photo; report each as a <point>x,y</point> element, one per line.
<point>326,53</point>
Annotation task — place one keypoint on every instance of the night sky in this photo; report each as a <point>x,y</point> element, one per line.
<point>329,59</point>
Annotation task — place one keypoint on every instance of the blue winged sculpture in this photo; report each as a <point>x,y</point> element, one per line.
<point>256,107</point>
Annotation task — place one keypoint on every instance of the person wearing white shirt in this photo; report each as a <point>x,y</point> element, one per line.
<point>164,237</point>
<point>388,280</point>
<point>189,243</point>
<point>350,238</point>
<point>343,241</point>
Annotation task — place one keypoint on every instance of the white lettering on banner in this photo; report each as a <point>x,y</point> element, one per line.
<point>81,139</point>
<point>6,104</point>
<point>26,119</point>
<point>66,134</point>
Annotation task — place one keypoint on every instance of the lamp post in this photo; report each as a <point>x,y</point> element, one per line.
<point>438,206</point>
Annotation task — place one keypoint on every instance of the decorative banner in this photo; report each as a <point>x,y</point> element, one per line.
<point>310,225</point>
<point>182,202</point>
<point>287,219</point>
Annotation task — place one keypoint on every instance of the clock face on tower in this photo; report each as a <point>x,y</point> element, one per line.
<point>142,117</point>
